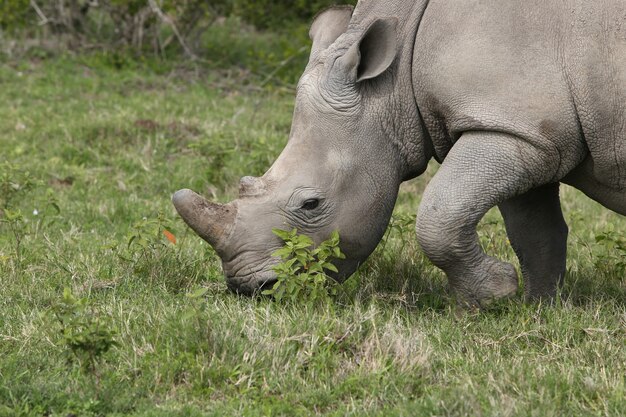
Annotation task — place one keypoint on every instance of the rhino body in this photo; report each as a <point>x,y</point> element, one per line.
<point>511,97</point>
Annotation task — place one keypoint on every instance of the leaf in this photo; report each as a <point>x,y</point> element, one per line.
<point>56,207</point>
<point>68,297</point>
<point>337,253</point>
<point>303,241</point>
<point>282,253</point>
<point>13,215</point>
<point>283,234</point>
<point>170,236</point>
<point>301,253</point>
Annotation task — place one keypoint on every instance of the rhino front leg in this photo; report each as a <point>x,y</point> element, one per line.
<point>538,233</point>
<point>481,170</point>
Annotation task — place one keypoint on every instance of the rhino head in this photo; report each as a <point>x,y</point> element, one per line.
<point>340,170</point>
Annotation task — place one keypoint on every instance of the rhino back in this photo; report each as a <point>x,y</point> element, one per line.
<point>552,73</point>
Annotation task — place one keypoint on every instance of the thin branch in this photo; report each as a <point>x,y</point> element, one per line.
<point>169,21</point>
<point>283,64</point>
<point>44,19</point>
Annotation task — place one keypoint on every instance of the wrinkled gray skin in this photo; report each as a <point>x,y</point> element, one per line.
<point>512,97</point>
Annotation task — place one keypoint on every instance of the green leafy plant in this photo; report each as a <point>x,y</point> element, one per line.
<point>152,252</point>
<point>146,234</point>
<point>14,181</point>
<point>146,241</point>
<point>20,228</point>
<point>196,312</point>
<point>301,276</point>
<point>197,303</point>
<point>85,333</point>
<point>611,251</point>
<point>14,219</point>
<point>401,225</point>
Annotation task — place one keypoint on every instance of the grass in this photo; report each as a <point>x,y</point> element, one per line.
<point>89,156</point>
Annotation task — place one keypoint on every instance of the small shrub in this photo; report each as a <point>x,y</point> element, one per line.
<point>86,335</point>
<point>151,252</point>
<point>147,237</point>
<point>611,251</point>
<point>14,219</point>
<point>400,225</point>
<point>14,181</point>
<point>147,245</point>
<point>301,276</point>
<point>196,312</point>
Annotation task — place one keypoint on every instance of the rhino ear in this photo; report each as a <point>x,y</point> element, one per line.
<point>371,55</point>
<point>328,25</point>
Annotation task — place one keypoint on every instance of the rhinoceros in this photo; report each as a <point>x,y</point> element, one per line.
<point>511,97</point>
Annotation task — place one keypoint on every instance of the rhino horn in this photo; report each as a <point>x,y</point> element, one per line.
<point>251,186</point>
<point>211,221</point>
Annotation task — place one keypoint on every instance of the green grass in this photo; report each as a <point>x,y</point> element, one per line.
<point>109,145</point>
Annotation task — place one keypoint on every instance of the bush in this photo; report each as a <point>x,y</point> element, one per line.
<point>135,24</point>
<point>143,25</point>
<point>15,14</point>
<point>276,14</point>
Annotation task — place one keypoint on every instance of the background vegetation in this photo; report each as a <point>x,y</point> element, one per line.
<point>110,305</point>
<point>146,26</point>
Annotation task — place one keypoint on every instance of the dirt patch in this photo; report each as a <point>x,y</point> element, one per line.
<point>175,128</point>
<point>57,182</point>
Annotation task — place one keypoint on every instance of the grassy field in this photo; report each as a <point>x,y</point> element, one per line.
<point>89,156</point>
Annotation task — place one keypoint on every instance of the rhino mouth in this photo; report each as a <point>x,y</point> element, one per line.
<point>251,283</point>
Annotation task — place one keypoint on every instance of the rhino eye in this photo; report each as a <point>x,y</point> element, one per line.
<point>311,204</point>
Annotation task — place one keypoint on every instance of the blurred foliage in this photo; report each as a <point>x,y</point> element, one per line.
<point>15,13</point>
<point>276,14</point>
<point>147,25</point>
<point>138,24</point>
